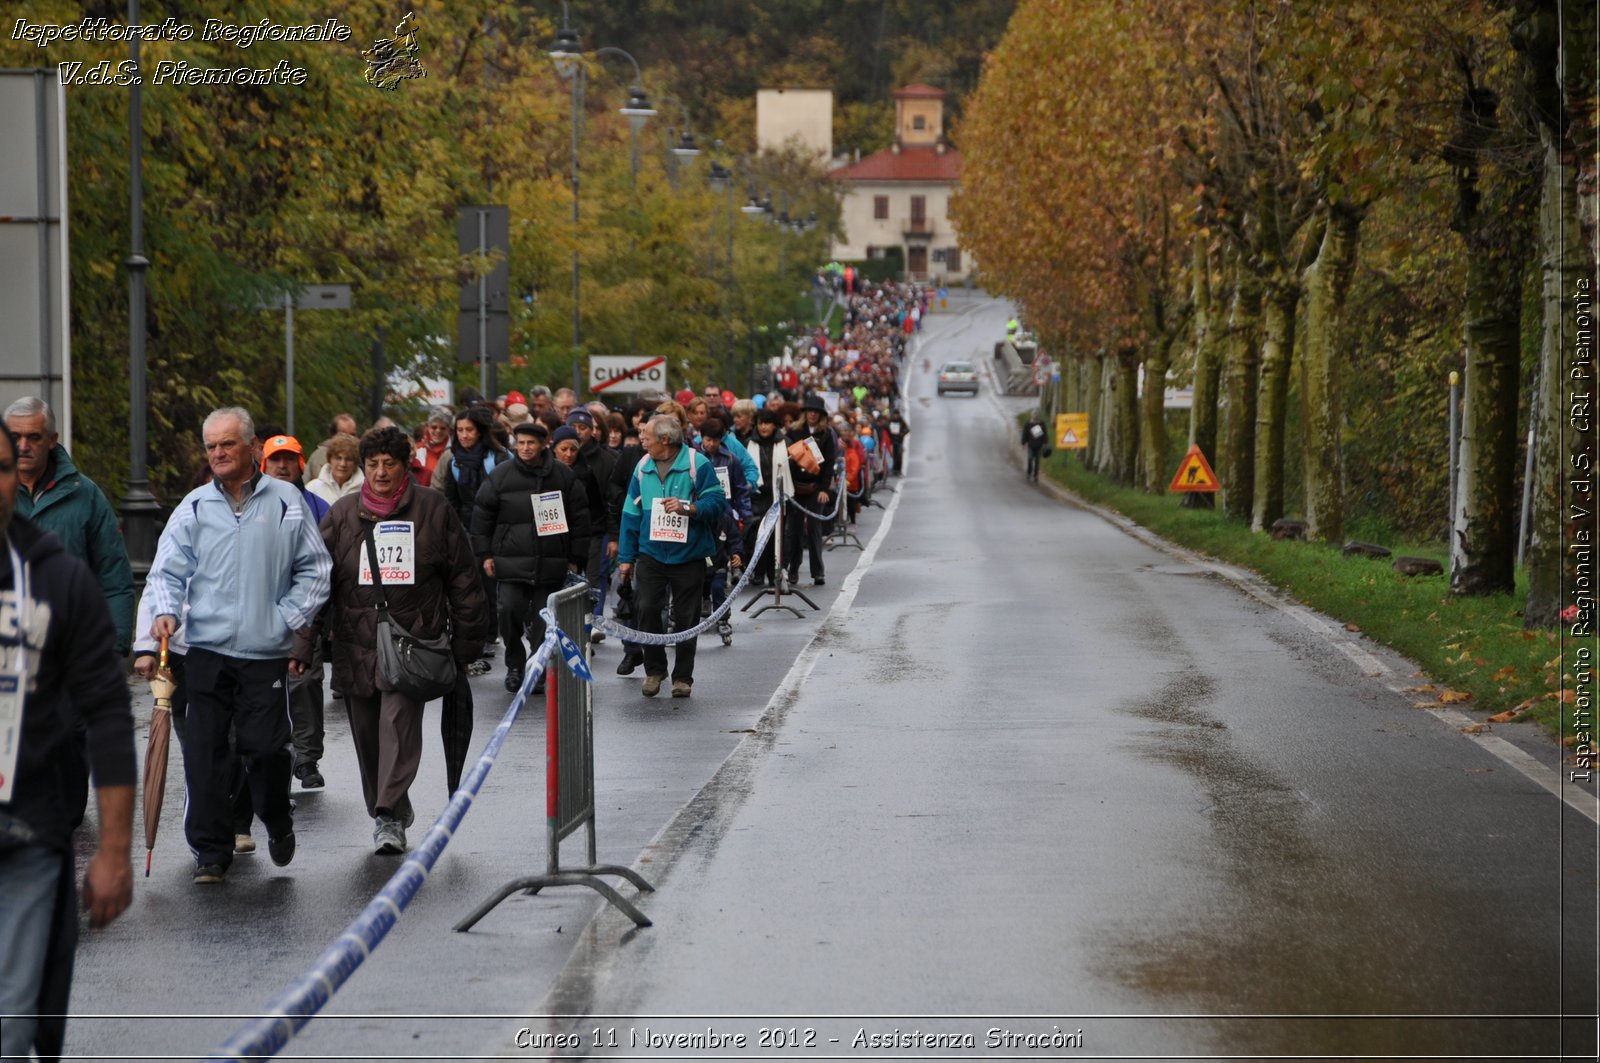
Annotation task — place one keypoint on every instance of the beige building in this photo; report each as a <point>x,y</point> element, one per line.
<point>795,118</point>
<point>900,198</point>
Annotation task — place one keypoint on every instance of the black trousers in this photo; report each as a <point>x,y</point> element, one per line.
<point>652,582</point>
<point>1033,463</point>
<point>251,699</point>
<point>798,527</point>
<point>518,611</point>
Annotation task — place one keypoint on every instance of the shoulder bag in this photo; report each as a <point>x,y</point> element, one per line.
<point>423,669</point>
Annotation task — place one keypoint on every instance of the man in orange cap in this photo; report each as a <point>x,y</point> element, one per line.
<point>281,459</point>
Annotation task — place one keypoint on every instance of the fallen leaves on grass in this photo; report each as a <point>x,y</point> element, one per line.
<point>1503,674</point>
<point>1452,697</point>
<point>1426,688</point>
<point>1352,627</point>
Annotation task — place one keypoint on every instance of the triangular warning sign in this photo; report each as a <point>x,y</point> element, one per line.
<point>1194,473</point>
<point>1069,439</point>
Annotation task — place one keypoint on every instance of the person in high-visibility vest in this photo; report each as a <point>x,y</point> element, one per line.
<point>1012,328</point>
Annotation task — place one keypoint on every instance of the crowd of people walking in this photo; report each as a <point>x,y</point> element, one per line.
<point>277,565</point>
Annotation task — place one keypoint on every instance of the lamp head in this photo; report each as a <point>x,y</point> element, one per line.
<point>686,148</point>
<point>567,51</point>
<point>638,108</point>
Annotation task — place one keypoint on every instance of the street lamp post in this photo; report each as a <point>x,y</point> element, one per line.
<point>140,510</point>
<point>567,52</point>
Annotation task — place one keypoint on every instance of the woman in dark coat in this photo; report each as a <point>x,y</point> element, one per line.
<point>431,583</point>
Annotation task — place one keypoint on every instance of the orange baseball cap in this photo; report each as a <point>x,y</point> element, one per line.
<point>278,444</point>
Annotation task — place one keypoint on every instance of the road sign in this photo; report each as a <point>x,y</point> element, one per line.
<point>1072,431</point>
<point>616,373</point>
<point>1195,474</point>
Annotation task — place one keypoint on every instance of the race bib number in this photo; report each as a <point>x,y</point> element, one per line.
<point>549,513</point>
<point>1037,431</point>
<point>894,429</point>
<point>667,527</point>
<point>727,483</point>
<point>396,546</point>
<point>11,694</point>
<point>816,451</point>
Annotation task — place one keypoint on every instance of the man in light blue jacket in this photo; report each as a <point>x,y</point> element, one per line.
<point>243,553</point>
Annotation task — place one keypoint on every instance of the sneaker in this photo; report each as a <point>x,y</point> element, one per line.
<point>388,837</point>
<point>818,582</point>
<point>724,628</point>
<point>596,637</point>
<point>243,843</point>
<point>407,814</point>
<point>513,680</point>
<point>681,688</point>
<point>281,849</point>
<point>311,778</point>
<point>652,685</point>
<point>209,874</point>
<point>630,663</point>
<point>481,666</point>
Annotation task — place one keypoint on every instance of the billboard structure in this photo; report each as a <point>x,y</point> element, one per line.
<point>36,345</point>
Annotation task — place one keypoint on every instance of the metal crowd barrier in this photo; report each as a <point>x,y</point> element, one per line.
<point>569,768</point>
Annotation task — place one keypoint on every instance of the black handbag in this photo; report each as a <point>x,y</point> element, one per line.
<point>423,669</point>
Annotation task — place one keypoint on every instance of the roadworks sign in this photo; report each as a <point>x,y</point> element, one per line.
<point>1195,474</point>
<point>1072,431</point>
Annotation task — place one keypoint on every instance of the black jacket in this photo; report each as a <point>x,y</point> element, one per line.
<point>74,674</point>
<point>808,483</point>
<point>503,527</point>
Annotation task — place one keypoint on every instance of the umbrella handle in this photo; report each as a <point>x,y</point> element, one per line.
<point>163,662</point>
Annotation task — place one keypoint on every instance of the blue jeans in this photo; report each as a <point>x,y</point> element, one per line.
<point>27,902</point>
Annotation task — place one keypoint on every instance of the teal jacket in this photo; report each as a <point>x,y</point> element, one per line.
<point>691,477</point>
<point>72,507</point>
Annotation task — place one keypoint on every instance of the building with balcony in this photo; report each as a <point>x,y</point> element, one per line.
<point>900,198</point>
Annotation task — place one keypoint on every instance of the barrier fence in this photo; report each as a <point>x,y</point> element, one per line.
<point>569,769</point>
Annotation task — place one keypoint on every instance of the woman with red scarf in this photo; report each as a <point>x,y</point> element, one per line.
<point>431,583</point>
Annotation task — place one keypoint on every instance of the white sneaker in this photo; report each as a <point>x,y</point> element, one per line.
<point>388,837</point>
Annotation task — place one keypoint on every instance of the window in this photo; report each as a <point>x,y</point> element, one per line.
<point>919,122</point>
<point>919,211</point>
<point>952,259</point>
<point>880,208</point>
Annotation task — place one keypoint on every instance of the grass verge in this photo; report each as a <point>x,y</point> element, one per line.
<point>1474,650</point>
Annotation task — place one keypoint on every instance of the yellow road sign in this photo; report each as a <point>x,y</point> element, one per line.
<point>1072,431</point>
<point>1195,473</point>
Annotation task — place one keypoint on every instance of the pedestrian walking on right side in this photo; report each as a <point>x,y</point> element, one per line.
<point>1035,438</point>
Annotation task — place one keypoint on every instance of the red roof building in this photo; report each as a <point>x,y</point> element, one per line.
<point>899,198</point>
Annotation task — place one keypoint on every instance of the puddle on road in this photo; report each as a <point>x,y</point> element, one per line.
<point>1298,922</point>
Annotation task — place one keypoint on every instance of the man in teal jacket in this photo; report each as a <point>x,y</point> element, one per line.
<point>58,498</point>
<point>668,529</point>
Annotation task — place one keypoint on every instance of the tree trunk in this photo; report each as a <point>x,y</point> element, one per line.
<point>1207,370</point>
<point>1567,271</point>
<point>1326,286</point>
<point>1483,532</point>
<point>1103,426</point>
<point>1238,451</point>
<point>1153,417</point>
<point>1277,347</point>
<point>1126,463</point>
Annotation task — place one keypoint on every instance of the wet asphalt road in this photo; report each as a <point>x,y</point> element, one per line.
<point>1038,774</point>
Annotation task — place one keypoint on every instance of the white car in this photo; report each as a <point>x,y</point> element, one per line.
<point>958,376</point>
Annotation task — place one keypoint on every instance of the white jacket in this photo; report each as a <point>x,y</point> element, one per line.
<point>324,487</point>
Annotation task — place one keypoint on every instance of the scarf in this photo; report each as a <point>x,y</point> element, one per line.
<point>379,506</point>
<point>468,466</point>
